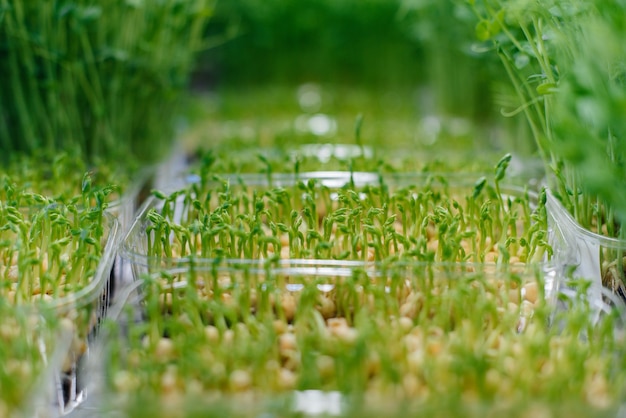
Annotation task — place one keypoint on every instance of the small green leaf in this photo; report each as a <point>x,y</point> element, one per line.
<point>546,88</point>
<point>479,186</point>
<point>482,31</point>
<point>86,186</point>
<point>158,194</point>
<point>486,29</point>
<point>502,165</point>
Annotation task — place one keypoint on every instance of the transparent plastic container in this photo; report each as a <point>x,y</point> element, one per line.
<point>124,209</point>
<point>34,346</point>
<point>87,309</point>
<point>94,292</point>
<point>446,199</point>
<point>310,157</point>
<point>81,310</point>
<point>338,340</point>
<point>586,258</point>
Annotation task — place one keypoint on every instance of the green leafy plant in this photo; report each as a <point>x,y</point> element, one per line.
<point>100,76</point>
<point>565,61</point>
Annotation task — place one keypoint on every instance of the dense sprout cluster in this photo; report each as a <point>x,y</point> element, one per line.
<point>422,218</point>
<point>411,335</point>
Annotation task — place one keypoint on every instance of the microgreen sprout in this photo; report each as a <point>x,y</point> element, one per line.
<point>52,249</point>
<point>62,177</point>
<point>409,334</point>
<point>31,345</point>
<point>415,218</point>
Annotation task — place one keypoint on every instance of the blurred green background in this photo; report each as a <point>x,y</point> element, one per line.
<point>379,44</point>
<point>134,79</point>
<point>411,68</point>
<point>326,41</point>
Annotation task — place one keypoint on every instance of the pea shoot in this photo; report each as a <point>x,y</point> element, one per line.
<point>411,335</point>
<point>393,217</point>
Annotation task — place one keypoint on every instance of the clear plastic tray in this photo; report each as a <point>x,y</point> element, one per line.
<point>95,291</point>
<point>586,256</point>
<point>327,188</point>
<point>35,345</point>
<point>458,291</point>
<point>125,207</point>
<point>92,302</point>
<point>124,210</point>
<point>346,156</point>
<point>84,309</point>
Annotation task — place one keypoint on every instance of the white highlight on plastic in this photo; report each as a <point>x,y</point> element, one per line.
<point>317,402</point>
